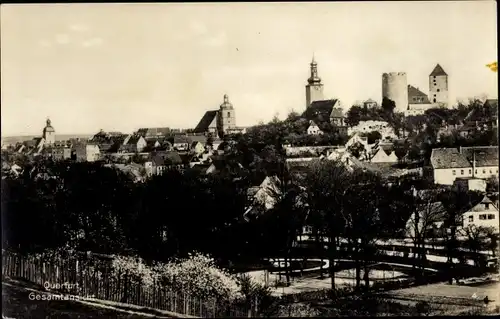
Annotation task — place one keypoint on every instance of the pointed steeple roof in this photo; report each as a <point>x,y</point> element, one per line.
<point>438,71</point>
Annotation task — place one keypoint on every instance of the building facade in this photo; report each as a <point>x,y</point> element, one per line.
<point>484,214</point>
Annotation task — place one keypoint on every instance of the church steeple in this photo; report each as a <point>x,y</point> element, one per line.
<point>314,78</point>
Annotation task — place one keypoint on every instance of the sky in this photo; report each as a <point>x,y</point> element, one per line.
<point>119,67</point>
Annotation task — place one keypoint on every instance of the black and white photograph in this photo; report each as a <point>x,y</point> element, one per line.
<point>253,159</point>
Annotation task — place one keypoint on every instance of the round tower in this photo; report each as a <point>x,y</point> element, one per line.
<point>395,87</point>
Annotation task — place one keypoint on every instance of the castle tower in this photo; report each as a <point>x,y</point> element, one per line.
<point>438,87</point>
<point>395,87</point>
<point>227,117</point>
<point>49,134</point>
<point>314,87</point>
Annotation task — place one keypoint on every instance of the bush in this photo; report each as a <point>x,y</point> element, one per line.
<point>422,308</point>
<point>299,310</point>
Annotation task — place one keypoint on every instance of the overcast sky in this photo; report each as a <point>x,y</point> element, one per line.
<point>125,66</point>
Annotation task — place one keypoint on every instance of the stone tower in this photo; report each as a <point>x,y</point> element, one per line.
<point>395,87</point>
<point>314,87</point>
<point>227,117</point>
<point>438,87</point>
<point>49,134</point>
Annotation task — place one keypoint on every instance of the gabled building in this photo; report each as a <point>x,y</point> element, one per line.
<point>450,163</point>
<point>313,129</point>
<point>483,214</point>
<point>133,144</point>
<point>180,142</point>
<point>217,123</point>
<point>261,196</point>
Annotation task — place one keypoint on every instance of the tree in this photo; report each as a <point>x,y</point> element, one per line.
<point>476,240</point>
<point>427,212</point>
<point>360,211</point>
<point>353,116</point>
<point>326,184</point>
<point>388,106</point>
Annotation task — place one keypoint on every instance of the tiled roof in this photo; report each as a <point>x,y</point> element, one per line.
<point>154,131</point>
<point>134,139</point>
<point>205,121</point>
<point>448,158</point>
<point>438,71</point>
<point>415,92</point>
<point>320,110</point>
<point>171,158</point>
<point>157,160</point>
<point>485,156</point>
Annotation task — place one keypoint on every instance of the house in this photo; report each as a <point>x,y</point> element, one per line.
<point>221,165</point>
<point>431,216</point>
<point>108,142</point>
<point>261,195</point>
<point>158,144</point>
<point>368,104</point>
<point>327,111</point>
<point>87,152</point>
<point>155,165</point>
<point>180,142</point>
<point>450,163</point>
<point>418,102</point>
<point>197,148</point>
<point>133,144</point>
<point>483,214</point>
<point>61,153</point>
<point>313,129</point>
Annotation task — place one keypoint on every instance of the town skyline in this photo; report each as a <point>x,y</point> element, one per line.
<point>124,66</point>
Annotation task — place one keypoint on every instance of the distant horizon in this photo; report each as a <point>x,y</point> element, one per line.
<point>119,67</point>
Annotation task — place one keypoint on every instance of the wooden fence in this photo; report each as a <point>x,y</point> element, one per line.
<point>73,277</point>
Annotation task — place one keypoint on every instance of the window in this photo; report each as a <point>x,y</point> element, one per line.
<point>470,171</point>
<point>461,172</point>
<point>434,100</point>
<point>471,219</point>
<point>491,216</point>
<point>475,171</point>
<point>228,114</point>
<point>453,172</point>
<point>438,90</point>
<point>482,217</point>
<point>487,206</point>
<point>484,171</point>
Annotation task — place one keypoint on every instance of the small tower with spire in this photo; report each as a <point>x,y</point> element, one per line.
<point>438,87</point>
<point>49,134</point>
<point>227,117</point>
<point>314,87</point>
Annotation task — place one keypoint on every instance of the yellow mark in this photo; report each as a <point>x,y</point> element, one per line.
<point>493,66</point>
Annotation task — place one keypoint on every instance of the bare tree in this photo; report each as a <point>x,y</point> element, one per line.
<point>427,213</point>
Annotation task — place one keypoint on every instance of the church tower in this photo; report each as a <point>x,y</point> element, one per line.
<point>438,87</point>
<point>227,117</point>
<point>314,87</point>
<point>49,134</point>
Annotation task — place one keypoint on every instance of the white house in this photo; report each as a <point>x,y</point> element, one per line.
<point>313,129</point>
<point>450,163</point>
<point>262,195</point>
<point>484,214</point>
